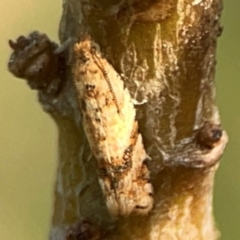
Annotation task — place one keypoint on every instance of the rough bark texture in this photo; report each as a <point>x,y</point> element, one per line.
<point>165,52</point>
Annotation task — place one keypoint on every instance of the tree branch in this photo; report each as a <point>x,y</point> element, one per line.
<point>164,52</point>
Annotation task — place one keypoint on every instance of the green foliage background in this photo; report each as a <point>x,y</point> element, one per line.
<point>28,137</point>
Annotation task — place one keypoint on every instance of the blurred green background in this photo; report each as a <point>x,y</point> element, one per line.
<point>28,137</point>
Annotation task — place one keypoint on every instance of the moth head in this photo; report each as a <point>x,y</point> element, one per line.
<point>85,48</point>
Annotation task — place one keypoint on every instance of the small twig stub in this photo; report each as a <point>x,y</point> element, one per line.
<point>84,230</point>
<point>108,118</point>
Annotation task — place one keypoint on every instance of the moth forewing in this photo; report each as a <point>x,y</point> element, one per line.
<point>108,118</point>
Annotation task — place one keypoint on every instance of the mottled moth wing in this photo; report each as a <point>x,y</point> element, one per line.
<point>108,118</point>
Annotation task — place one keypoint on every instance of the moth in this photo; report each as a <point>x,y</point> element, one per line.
<point>108,118</point>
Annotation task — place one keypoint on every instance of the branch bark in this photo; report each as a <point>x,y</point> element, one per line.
<point>165,53</point>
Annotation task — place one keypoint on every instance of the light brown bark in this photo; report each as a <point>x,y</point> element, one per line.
<point>165,53</point>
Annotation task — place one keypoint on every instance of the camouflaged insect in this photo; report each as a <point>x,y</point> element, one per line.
<point>108,117</point>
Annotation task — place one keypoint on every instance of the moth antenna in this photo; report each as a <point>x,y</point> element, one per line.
<point>99,63</point>
<point>65,45</point>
